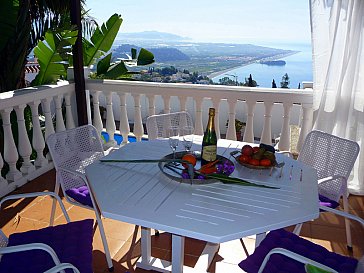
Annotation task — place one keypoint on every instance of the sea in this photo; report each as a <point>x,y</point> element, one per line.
<point>298,67</point>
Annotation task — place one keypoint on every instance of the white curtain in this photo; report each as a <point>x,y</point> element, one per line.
<point>338,64</point>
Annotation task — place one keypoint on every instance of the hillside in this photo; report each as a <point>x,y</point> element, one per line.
<point>161,54</point>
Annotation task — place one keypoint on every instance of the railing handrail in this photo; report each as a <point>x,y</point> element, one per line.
<point>276,95</point>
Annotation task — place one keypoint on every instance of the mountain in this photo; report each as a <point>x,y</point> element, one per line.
<point>161,54</point>
<point>151,35</point>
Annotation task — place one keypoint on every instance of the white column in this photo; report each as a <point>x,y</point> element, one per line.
<point>97,122</point>
<point>167,104</point>
<point>231,131</point>
<point>249,132</point>
<point>70,122</point>
<point>24,147</point>
<point>307,117</point>
<point>216,105</point>
<point>10,151</point>
<point>124,122</point>
<point>110,120</point>
<point>198,122</point>
<point>38,141</point>
<point>151,102</point>
<point>285,138</point>
<point>266,136</point>
<point>59,116</point>
<point>138,124</point>
<point>46,106</point>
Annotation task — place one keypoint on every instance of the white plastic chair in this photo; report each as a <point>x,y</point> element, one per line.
<point>72,151</point>
<point>44,235</point>
<point>157,125</point>
<point>333,158</point>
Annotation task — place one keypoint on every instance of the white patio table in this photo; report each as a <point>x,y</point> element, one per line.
<point>141,194</point>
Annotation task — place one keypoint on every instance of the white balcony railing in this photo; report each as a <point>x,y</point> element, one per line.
<point>264,110</point>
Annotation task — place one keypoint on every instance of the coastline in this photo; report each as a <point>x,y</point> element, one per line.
<point>279,56</point>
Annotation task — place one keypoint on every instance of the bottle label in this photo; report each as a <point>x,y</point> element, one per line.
<point>209,153</point>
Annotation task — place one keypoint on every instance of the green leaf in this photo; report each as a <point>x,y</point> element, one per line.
<point>116,71</point>
<point>232,180</point>
<point>104,64</point>
<point>313,269</point>
<point>52,54</point>
<point>101,40</point>
<point>145,57</point>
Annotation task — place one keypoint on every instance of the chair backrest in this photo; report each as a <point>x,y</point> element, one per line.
<point>75,149</point>
<point>157,125</point>
<point>329,154</point>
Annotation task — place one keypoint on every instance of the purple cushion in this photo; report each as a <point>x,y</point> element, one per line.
<point>81,195</point>
<point>72,242</point>
<point>282,264</point>
<point>327,202</point>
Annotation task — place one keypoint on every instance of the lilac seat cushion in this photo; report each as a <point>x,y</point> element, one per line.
<point>81,195</point>
<point>282,264</point>
<point>327,202</point>
<point>72,242</point>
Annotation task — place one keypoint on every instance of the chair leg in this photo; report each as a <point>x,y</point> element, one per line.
<point>297,229</point>
<point>104,242</point>
<point>347,223</point>
<point>54,204</point>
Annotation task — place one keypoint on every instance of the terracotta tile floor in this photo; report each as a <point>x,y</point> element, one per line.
<point>124,243</point>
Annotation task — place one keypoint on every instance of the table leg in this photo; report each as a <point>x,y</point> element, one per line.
<point>146,245</point>
<point>178,249</point>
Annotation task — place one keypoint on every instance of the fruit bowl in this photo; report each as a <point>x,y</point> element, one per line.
<point>237,154</point>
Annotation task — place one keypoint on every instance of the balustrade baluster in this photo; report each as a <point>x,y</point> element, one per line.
<point>182,103</point>
<point>285,138</point>
<point>307,117</point>
<point>59,116</point>
<point>216,105</point>
<point>231,131</point>
<point>151,102</point>
<point>3,183</point>
<point>38,140</point>
<point>249,130</point>
<point>138,124</point>
<point>110,121</point>
<point>124,127</point>
<point>24,147</point>
<point>266,136</point>
<point>46,106</point>
<point>198,122</point>
<point>97,121</point>
<point>167,104</point>
<point>70,122</point>
<point>10,151</point>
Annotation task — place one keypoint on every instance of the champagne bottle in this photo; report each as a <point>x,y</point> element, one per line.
<point>209,142</point>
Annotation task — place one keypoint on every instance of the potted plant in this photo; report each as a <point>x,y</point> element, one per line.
<point>239,128</point>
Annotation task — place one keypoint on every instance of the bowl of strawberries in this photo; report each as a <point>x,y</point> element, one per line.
<point>256,157</point>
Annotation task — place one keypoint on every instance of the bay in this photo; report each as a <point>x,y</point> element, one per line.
<point>298,67</point>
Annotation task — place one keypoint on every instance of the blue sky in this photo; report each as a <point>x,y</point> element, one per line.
<point>236,21</point>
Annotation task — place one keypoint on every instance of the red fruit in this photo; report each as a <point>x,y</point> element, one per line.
<point>255,149</point>
<point>244,158</point>
<point>254,162</point>
<point>247,150</point>
<point>265,162</point>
